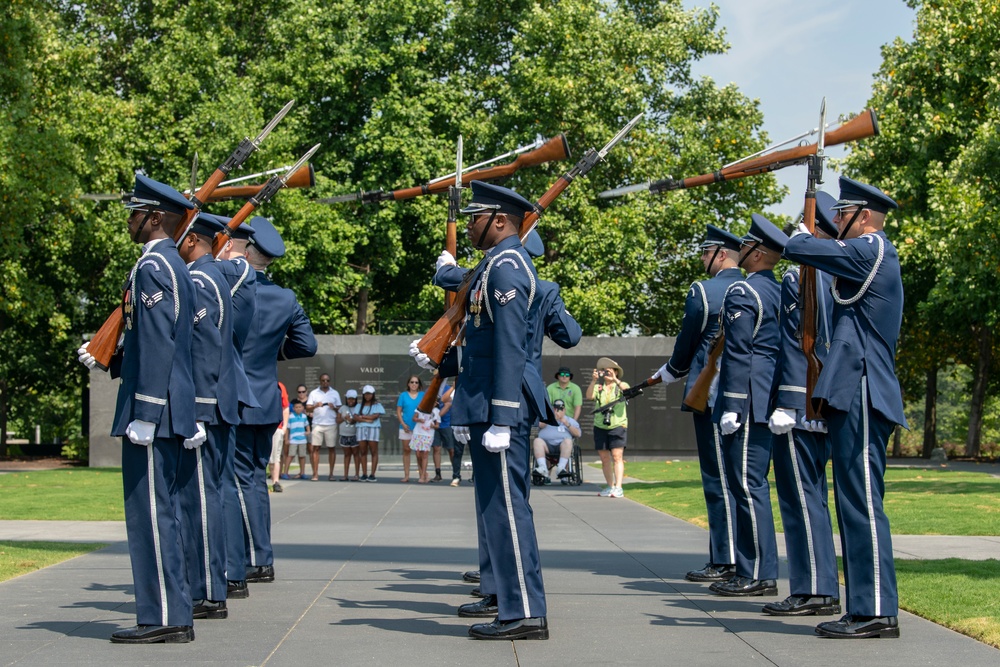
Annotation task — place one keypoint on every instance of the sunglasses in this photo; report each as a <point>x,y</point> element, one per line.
<point>564,375</point>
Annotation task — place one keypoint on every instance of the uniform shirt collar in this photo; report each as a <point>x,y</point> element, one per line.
<point>150,245</point>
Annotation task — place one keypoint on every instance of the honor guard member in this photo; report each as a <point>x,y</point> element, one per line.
<point>800,456</point>
<point>719,255</point>
<point>217,411</point>
<point>499,394</point>
<point>242,280</point>
<point>750,325</point>
<point>155,414</point>
<point>280,330</point>
<point>552,320</point>
<point>858,394</point>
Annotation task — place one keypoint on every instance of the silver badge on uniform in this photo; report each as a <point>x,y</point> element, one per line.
<point>150,300</point>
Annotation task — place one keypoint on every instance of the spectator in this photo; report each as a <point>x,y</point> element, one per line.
<point>405,407</point>
<point>555,439</point>
<point>348,434</point>
<point>442,436</point>
<point>423,439</point>
<point>278,441</point>
<point>323,404</point>
<point>566,391</point>
<point>611,428</point>
<point>446,436</point>
<point>369,422</point>
<point>301,395</point>
<point>297,435</point>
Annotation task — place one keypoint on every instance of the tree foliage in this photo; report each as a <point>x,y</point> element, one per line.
<point>91,91</point>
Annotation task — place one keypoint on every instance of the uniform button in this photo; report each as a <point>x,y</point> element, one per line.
<point>460,369</point>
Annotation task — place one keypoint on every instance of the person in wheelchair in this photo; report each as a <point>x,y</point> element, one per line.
<point>555,440</point>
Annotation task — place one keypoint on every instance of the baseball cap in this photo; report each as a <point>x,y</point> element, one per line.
<point>368,389</point>
<point>351,393</point>
<point>559,404</point>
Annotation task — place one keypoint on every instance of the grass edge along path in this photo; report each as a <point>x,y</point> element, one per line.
<point>18,558</point>
<point>76,494</point>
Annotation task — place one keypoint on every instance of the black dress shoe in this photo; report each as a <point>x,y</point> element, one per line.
<point>477,592</point>
<point>237,590</point>
<point>712,572</point>
<point>745,587</point>
<point>472,576</point>
<point>485,608</point>
<point>154,634</point>
<point>804,605</point>
<point>522,628</point>
<point>210,609</point>
<point>261,574</point>
<point>860,627</point>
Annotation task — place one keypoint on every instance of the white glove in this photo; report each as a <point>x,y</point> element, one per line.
<point>198,438</point>
<point>85,357</point>
<point>140,432</point>
<point>461,434</point>
<point>801,229</point>
<point>422,359</point>
<point>814,426</point>
<point>496,439</point>
<point>729,424</point>
<point>782,421</point>
<point>444,259</point>
<point>666,376</point>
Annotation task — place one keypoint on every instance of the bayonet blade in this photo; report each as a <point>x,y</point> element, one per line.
<point>621,135</point>
<point>274,121</point>
<point>339,199</point>
<point>458,165</point>
<point>298,165</point>
<point>821,142</point>
<point>624,190</point>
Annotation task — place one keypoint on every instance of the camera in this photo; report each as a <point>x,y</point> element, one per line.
<point>607,417</point>
<point>601,373</point>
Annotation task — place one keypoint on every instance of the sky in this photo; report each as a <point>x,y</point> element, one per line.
<point>789,54</point>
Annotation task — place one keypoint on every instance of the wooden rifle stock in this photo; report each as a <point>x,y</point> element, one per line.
<point>303,178</point>
<point>697,398</point>
<point>862,126</point>
<point>807,325</point>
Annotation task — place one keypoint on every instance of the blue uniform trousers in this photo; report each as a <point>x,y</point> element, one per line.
<point>748,459</point>
<point>719,501</point>
<point>858,439</point>
<point>152,476</point>
<point>203,521</point>
<point>502,484</point>
<point>487,584</point>
<point>253,450</point>
<point>232,507</point>
<point>800,459</point>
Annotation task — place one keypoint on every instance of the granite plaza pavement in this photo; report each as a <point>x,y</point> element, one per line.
<point>371,574</point>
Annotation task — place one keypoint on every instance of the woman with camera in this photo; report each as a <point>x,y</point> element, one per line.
<point>611,425</point>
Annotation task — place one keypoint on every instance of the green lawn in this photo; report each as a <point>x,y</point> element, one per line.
<point>80,494</point>
<point>918,502</point>
<point>17,558</point>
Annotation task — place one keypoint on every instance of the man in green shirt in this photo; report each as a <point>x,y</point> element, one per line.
<point>566,391</point>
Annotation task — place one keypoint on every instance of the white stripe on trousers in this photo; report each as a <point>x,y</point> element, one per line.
<point>151,486</point>
<point>746,492</point>
<point>204,528</point>
<point>868,497</point>
<point>800,492</point>
<point>246,524</point>
<point>725,493</point>
<point>513,534</point>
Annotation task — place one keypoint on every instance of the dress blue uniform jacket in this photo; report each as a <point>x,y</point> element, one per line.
<point>750,322</point>
<point>155,363</point>
<point>866,331</point>
<point>498,383</point>
<point>554,321</point>
<point>213,353</point>
<point>790,377</point>
<point>242,280</point>
<point>280,330</point>
<point>700,323</point>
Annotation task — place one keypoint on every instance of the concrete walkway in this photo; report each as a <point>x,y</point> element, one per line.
<point>370,574</point>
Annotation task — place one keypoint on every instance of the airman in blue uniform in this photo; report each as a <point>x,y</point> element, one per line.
<point>750,324</point>
<point>155,414</point>
<point>858,394</point>
<point>217,412</point>
<point>280,330</point>
<point>242,281</point>
<point>800,455</point>
<point>720,254</point>
<point>499,395</point>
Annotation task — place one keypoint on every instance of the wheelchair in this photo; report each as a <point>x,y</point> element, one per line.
<point>573,475</point>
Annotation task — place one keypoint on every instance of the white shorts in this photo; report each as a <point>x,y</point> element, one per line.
<point>324,435</point>
<point>405,435</point>
<point>277,444</point>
